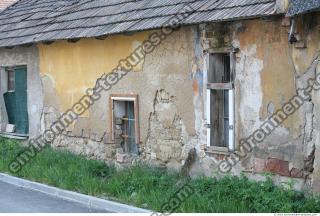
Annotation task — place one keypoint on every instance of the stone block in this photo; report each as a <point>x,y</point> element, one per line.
<point>106,138</point>
<point>86,133</point>
<point>123,158</point>
<point>10,128</point>
<point>153,156</point>
<point>93,136</point>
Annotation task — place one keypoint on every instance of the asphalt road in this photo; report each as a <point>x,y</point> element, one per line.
<point>14,199</point>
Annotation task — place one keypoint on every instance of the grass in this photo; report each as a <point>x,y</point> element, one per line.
<point>151,187</point>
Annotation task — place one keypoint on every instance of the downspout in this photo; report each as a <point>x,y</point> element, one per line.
<point>292,37</point>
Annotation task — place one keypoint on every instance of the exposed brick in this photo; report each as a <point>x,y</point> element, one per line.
<point>221,156</point>
<point>277,166</point>
<point>218,157</point>
<point>296,173</point>
<point>259,165</point>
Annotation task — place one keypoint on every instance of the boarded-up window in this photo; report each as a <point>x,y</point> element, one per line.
<point>220,68</point>
<point>220,102</point>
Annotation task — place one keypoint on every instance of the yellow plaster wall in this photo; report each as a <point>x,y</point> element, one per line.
<point>277,76</point>
<point>74,67</point>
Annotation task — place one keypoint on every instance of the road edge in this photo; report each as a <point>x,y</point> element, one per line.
<point>89,201</point>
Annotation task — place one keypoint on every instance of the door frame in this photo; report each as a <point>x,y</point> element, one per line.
<point>4,89</point>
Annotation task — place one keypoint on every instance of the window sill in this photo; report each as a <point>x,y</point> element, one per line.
<point>217,150</point>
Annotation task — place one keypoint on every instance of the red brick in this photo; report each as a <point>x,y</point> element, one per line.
<point>221,157</point>
<point>296,173</point>
<point>259,165</point>
<point>277,166</point>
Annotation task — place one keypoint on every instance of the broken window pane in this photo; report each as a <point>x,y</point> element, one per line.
<point>124,127</point>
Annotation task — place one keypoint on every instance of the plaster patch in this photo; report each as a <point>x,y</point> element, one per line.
<point>249,79</point>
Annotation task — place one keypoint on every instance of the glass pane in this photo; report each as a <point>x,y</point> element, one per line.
<point>226,103</point>
<point>226,131</point>
<point>132,147</point>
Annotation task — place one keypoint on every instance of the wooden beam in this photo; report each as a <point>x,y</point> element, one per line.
<point>103,37</point>
<point>220,86</point>
<point>74,40</point>
<point>48,42</point>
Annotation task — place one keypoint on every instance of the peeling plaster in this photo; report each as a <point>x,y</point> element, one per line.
<point>249,95</point>
<point>171,84</point>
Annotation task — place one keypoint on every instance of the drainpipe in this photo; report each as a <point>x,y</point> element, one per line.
<point>292,37</point>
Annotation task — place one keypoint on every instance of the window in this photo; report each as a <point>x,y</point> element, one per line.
<point>125,122</point>
<point>11,79</point>
<point>220,103</point>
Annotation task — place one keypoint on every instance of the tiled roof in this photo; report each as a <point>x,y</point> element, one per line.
<point>6,3</point>
<point>302,6</point>
<point>30,21</point>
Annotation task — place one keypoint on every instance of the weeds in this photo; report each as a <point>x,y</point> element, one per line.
<point>151,187</point>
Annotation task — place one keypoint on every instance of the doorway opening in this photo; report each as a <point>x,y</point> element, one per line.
<point>14,91</point>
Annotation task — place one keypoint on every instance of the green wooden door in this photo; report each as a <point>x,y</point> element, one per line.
<point>16,102</point>
<point>10,102</point>
<point>21,116</point>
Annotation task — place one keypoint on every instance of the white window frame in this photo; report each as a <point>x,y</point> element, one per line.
<point>231,92</point>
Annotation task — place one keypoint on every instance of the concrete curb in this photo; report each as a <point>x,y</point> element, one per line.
<point>89,201</point>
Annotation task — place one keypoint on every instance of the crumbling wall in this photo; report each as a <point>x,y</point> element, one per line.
<point>171,84</point>
<point>166,132</point>
<point>269,72</point>
<point>165,85</point>
<point>306,58</point>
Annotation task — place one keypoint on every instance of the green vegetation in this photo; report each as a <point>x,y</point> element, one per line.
<point>151,187</point>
